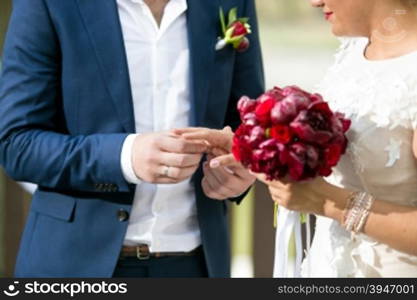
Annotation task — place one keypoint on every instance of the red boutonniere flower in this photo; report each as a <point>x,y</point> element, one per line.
<point>235,32</point>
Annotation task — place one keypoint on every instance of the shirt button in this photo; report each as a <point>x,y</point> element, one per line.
<point>122,215</point>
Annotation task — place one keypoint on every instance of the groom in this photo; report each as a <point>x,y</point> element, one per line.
<point>89,94</point>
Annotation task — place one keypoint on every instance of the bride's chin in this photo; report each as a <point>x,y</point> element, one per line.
<point>337,31</point>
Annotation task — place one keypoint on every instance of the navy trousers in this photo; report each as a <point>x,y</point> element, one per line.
<point>164,267</point>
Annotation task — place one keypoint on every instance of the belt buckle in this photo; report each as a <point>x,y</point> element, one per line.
<point>143,255</point>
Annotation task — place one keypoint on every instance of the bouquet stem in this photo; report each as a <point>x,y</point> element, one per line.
<point>275,214</point>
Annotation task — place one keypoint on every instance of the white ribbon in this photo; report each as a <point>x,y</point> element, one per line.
<point>288,222</point>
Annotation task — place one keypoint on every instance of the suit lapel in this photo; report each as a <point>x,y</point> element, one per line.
<point>203,30</point>
<point>103,26</point>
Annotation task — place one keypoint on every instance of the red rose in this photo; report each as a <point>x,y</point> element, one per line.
<point>282,133</point>
<point>243,45</point>
<point>263,111</point>
<point>239,29</point>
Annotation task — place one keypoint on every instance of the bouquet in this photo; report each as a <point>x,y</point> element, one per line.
<point>289,132</point>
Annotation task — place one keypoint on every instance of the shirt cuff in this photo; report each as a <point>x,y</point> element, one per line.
<point>126,160</point>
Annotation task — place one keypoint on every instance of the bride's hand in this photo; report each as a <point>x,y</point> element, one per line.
<point>315,196</point>
<point>220,139</point>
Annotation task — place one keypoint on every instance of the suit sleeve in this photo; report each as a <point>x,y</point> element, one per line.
<point>32,148</point>
<point>248,77</point>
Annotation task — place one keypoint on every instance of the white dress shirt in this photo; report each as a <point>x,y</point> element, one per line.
<point>162,216</point>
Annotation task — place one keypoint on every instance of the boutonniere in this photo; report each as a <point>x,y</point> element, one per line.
<point>234,31</point>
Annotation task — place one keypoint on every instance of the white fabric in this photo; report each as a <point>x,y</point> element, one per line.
<point>380,97</point>
<point>288,223</point>
<point>163,216</point>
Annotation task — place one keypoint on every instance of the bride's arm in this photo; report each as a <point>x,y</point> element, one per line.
<point>391,224</point>
<point>387,223</point>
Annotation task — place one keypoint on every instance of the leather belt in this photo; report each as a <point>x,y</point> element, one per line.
<point>142,252</point>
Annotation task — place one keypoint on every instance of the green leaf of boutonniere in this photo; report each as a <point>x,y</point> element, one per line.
<point>223,21</point>
<point>243,20</point>
<point>232,16</point>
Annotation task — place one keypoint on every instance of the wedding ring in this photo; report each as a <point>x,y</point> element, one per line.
<point>166,171</point>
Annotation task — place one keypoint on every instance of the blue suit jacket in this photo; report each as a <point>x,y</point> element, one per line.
<point>65,110</point>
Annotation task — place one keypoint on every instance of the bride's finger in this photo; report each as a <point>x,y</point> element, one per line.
<point>216,138</point>
<point>181,131</point>
<point>188,130</point>
<point>261,177</point>
<point>227,160</point>
<point>218,152</point>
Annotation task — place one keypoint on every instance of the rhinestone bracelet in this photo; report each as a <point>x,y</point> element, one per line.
<point>357,211</point>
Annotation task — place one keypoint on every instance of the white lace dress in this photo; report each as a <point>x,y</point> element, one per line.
<point>380,97</point>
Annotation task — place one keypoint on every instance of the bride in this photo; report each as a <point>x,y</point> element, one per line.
<point>367,209</point>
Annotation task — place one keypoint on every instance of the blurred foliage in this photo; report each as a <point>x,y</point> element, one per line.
<point>285,10</point>
<point>293,24</point>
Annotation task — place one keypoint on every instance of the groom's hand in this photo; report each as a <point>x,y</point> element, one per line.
<point>225,181</point>
<point>165,157</point>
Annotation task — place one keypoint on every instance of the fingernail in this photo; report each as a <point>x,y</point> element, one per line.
<point>214,164</point>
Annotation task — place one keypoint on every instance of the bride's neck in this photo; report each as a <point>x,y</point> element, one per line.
<point>393,34</point>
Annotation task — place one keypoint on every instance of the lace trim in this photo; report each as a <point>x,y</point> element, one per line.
<point>387,97</point>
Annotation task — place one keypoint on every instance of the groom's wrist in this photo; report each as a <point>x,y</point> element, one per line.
<point>126,160</point>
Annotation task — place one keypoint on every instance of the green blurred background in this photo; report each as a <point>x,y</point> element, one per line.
<point>298,48</point>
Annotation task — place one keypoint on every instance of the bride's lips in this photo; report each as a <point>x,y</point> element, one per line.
<point>328,15</point>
